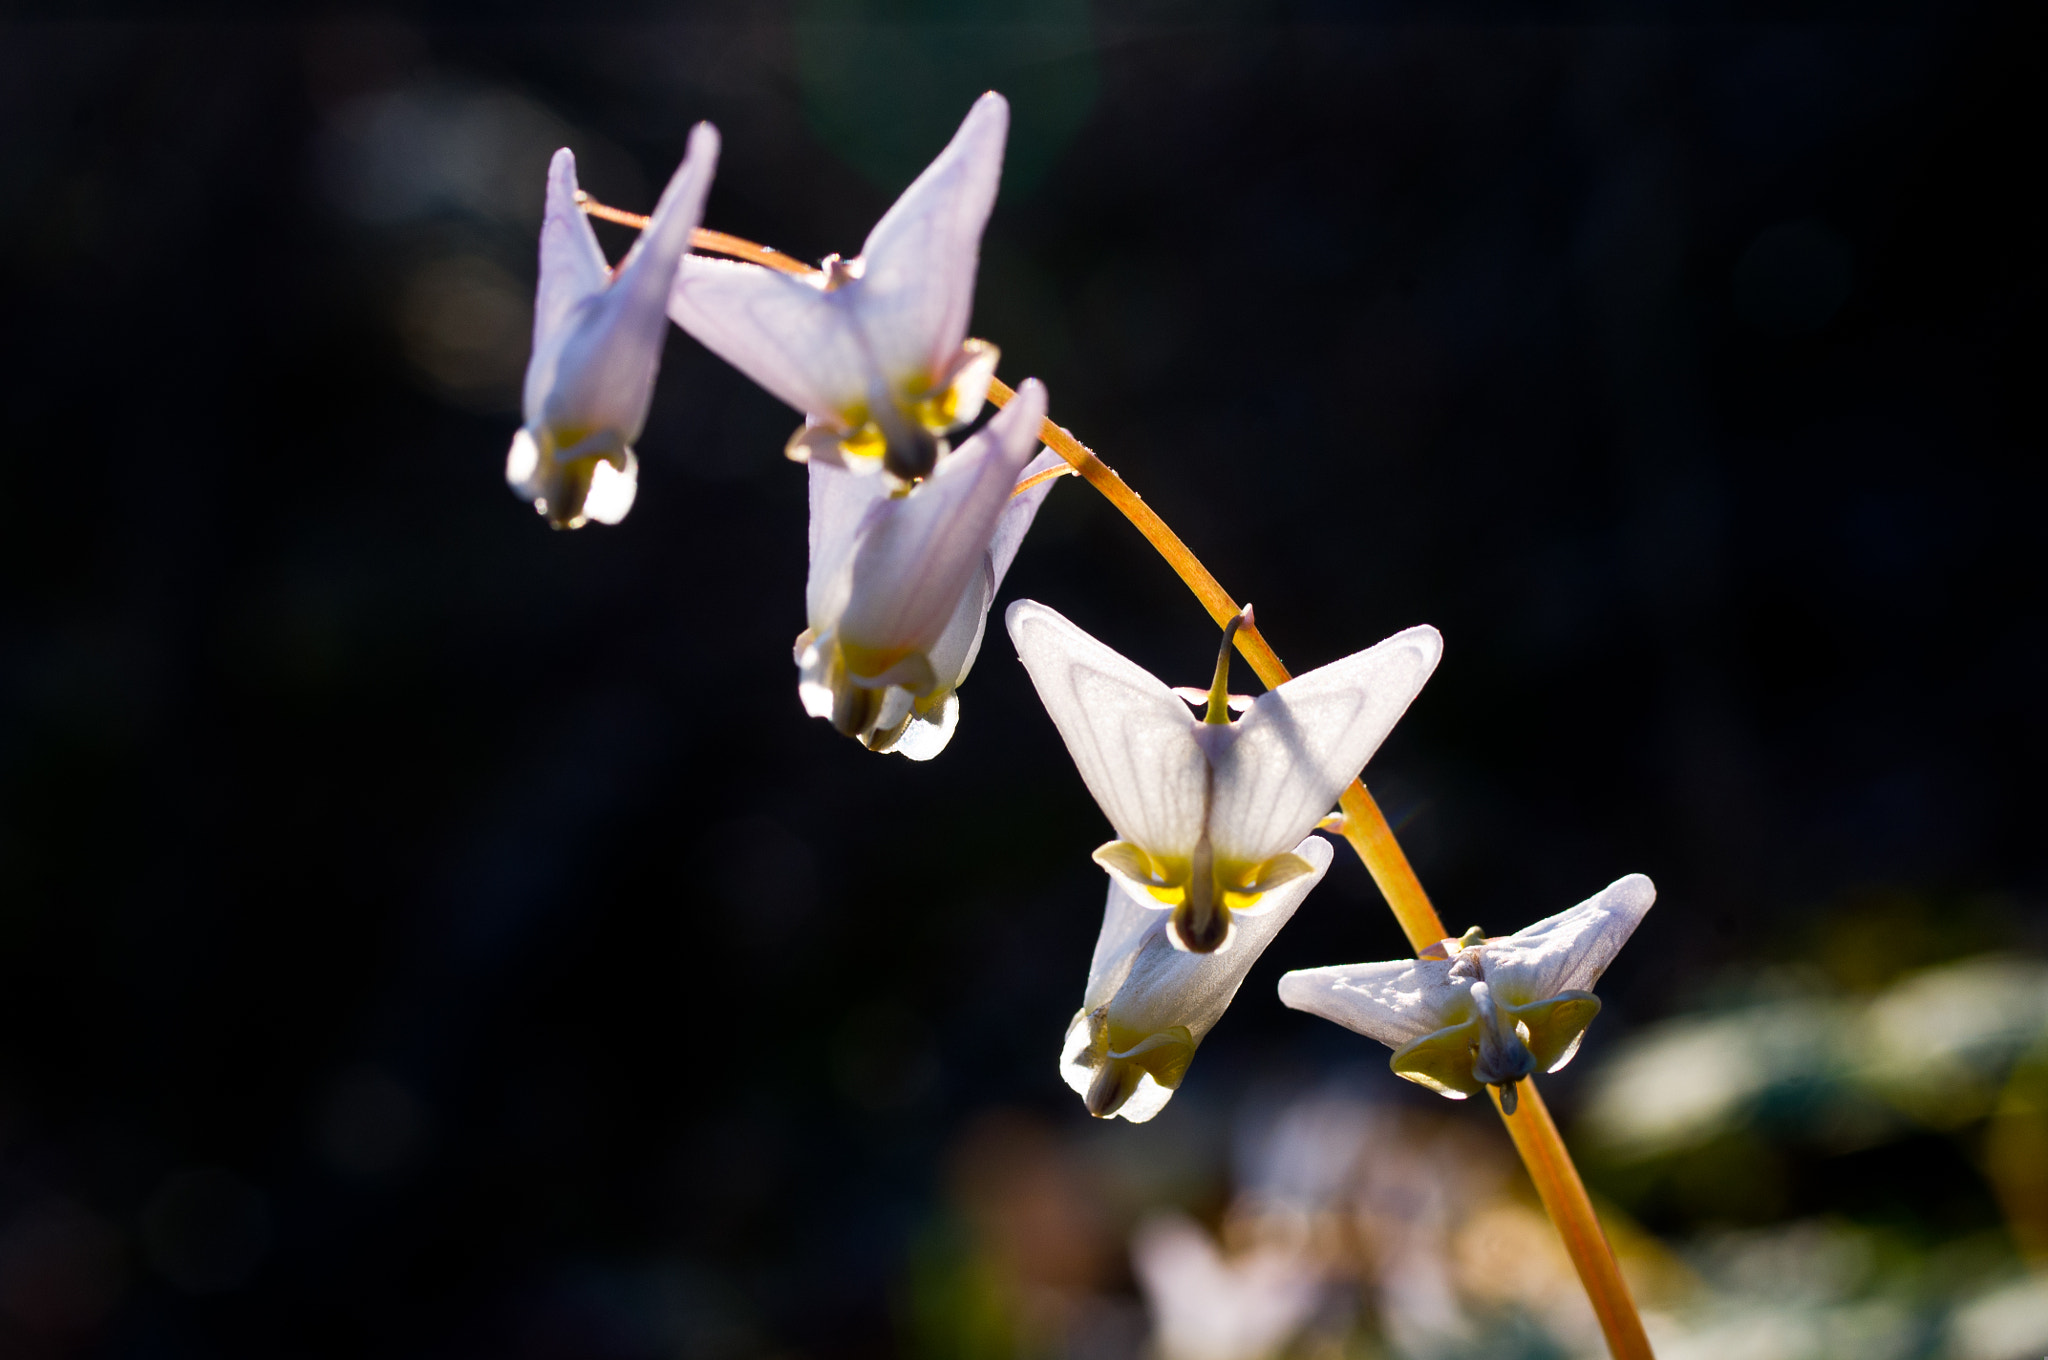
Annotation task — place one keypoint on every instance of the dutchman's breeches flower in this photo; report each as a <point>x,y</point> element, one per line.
<point>873,350</point>
<point>1476,1011</point>
<point>597,336</point>
<point>1149,1003</point>
<point>1208,812</point>
<point>901,581</point>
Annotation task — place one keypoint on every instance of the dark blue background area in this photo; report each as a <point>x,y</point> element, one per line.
<point>425,934</point>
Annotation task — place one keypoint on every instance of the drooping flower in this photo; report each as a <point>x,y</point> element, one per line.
<point>1149,1004</point>
<point>1208,811</point>
<point>597,336</point>
<point>1478,1011</point>
<point>900,582</point>
<point>873,350</point>
<point>1208,1307</point>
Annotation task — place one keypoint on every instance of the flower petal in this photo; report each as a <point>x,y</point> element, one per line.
<point>1148,1004</point>
<point>1291,756</point>
<point>786,333</point>
<point>840,502</point>
<point>1394,1002</point>
<point>572,264</point>
<point>603,379</point>
<point>917,290</point>
<point>1132,740</point>
<point>918,553</point>
<point>612,490</point>
<point>1568,951</point>
<point>953,655</point>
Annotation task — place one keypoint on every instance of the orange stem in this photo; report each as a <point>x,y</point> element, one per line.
<point>1565,1200</point>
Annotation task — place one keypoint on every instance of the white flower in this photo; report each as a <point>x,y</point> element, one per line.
<point>1208,811</point>
<point>1149,1004</point>
<point>873,350</point>
<point>901,581</point>
<point>1477,1011</point>
<point>1205,1307</point>
<point>597,336</point>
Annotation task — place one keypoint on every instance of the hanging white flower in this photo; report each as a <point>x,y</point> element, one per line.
<point>1208,811</point>
<point>901,581</point>
<point>1149,1004</point>
<point>873,350</point>
<point>1477,1011</point>
<point>597,337</point>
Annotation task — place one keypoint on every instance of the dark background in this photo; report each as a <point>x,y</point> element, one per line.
<point>425,934</point>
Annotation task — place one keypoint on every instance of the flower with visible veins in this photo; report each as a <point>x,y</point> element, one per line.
<point>1208,811</point>
<point>873,350</point>
<point>1478,1011</point>
<point>597,336</point>
<point>901,580</point>
<point>1149,1004</point>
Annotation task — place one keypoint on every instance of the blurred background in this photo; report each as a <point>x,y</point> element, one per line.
<point>424,934</point>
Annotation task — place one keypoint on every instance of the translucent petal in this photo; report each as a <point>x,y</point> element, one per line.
<point>612,490</point>
<point>572,264</point>
<point>1132,740</point>
<point>840,502</point>
<point>1394,1002</point>
<point>522,465</point>
<point>1294,752</point>
<point>1149,1004</point>
<point>918,553</point>
<point>927,735</point>
<point>788,334</point>
<point>954,653</point>
<point>603,378</point>
<point>1568,951</point>
<point>917,288</point>
<point>1555,1026</point>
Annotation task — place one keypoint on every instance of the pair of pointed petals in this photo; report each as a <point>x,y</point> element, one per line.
<point>1477,1013</point>
<point>901,582</point>
<point>874,351</point>
<point>1149,1004</point>
<point>1207,815</point>
<point>597,337</point>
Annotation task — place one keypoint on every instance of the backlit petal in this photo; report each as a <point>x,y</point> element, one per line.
<point>919,552</point>
<point>1568,951</point>
<point>918,286</point>
<point>1394,1002</point>
<point>1132,740</point>
<point>785,332</point>
<point>1302,743</point>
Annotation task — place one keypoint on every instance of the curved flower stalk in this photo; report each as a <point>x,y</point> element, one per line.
<point>1149,1004</point>
<point>900,583</point>
<point>1477,1011</point>
<point>873,350</point>
<point>1207,1307</point>
<point>1207,811</point>
<point>597,336</point>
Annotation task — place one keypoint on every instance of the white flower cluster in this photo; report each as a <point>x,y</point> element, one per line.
<point>909,540</point>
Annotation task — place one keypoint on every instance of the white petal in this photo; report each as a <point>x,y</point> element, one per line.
<point>1132,740</point>
<point>1392,1002</point>
<point>1568,951</point>
<point>840,502</point>
<point>1164,986</point>
<point>786,333</point>
<point>572,264</point>
<point>925,737</point>
<point>917,290</point>
<point>604,377</point>
<point>1303,742</point>
<point>612,491</point>
<point>522,465</point>
<point>953,655</point>
<point>917,553</point>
